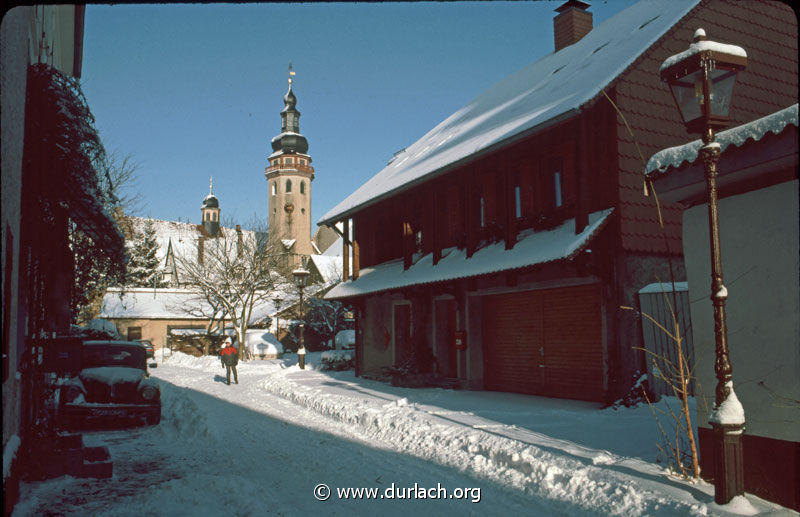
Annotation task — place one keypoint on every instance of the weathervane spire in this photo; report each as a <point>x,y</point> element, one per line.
<point>211,184</point>
<point>291,74</point>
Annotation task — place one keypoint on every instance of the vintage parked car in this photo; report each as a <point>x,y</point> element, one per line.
<point>148,346</point>
<point>113,385</point>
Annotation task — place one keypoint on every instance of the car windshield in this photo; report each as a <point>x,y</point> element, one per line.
<point>113,355</point>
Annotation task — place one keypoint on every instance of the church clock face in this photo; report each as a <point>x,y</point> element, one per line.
<point>288,208</point>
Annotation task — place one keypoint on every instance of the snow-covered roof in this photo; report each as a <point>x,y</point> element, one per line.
<point>548,90</point>
<point>664,287</point>
<point>330,268</point>
<point>181,237</point>
<point>335,249</point>
<point>532,248</point>
<point>737,136</point>
<point>146,303</point>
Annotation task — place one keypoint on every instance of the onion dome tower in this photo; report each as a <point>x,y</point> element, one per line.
<point>289,176</point>
<point>210,211</point>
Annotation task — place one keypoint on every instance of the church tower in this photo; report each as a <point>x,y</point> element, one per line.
<point>210,211</point>
<point>289,176</point>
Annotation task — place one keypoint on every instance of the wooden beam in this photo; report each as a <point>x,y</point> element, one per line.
<point>356,257</point>
<point>346,251</point>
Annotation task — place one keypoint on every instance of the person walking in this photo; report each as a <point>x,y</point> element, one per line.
<point>229,357</point>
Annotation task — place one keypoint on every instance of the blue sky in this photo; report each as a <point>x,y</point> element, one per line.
<point>193,91</point>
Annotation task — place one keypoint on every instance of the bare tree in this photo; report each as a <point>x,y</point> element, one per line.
<point>680,375</point>
<point>119,177</point>
<point>235,272</point>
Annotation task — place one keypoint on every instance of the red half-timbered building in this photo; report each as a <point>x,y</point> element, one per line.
<point>505,241</point>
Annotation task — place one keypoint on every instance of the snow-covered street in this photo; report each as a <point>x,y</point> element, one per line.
<point>263,446</point>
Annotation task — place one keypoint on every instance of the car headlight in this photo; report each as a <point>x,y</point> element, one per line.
<point>73,392</point>
<point>150,393</point>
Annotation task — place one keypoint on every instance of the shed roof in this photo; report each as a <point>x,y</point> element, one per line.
<point>549,90</point>
<point>178,304</point>
<point>773,123</point>
<point>753,155</point>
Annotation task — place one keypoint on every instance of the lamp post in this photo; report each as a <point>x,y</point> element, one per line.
<point>277,301</point>
<point>701,80</point>
<point>300,276</point>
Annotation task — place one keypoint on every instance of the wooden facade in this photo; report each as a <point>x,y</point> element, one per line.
<point>559,173</point>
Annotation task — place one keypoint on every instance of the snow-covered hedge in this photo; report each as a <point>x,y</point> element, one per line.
<point>337,360</point>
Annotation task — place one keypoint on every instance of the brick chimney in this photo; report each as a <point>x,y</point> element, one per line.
<point>571,24</point>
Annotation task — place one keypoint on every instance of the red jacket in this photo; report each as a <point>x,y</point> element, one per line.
<point>229,355</point>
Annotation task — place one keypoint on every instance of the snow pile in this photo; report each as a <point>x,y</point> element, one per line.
<point>730,412</point>
<point>345,339</point>
<point>205,363</point>
<point>529,468</point>
<point>739,505</point>
<point>262,343</point>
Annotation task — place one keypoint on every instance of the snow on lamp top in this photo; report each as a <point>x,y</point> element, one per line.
<point>705,68</point>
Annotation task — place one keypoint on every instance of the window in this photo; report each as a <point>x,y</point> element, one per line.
<point>274,188</point>
<point>134,333</point>
<point>302,187</point>
<point>482,213</point>
<point>557,183</point>
<point>517,202</point>
<point>302,161</point>
<point>288,186</point>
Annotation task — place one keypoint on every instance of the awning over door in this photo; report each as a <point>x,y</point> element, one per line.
<point>532,248</point>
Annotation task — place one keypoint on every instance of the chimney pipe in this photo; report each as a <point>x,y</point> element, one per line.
<point>572,23</point>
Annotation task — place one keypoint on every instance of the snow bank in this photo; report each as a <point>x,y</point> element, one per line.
<point>9,453</point>
<point>534,470</point>
<point>206,363</point>
<point>739,505</point>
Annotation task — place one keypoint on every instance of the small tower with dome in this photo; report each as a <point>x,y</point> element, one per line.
<point>289,176</point>
<point>210,211</point>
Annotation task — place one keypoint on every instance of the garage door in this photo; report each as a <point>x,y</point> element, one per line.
<point>546,342</point>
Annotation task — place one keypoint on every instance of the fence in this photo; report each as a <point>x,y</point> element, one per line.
<point>655,300</point>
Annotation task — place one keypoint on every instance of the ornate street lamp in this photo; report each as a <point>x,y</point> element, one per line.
<point>277,302</point>
<point>701,80</point>
<point>300,276</point>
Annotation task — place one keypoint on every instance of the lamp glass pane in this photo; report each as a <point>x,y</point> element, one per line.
<point>722,82</point>
<point>688,93</point>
